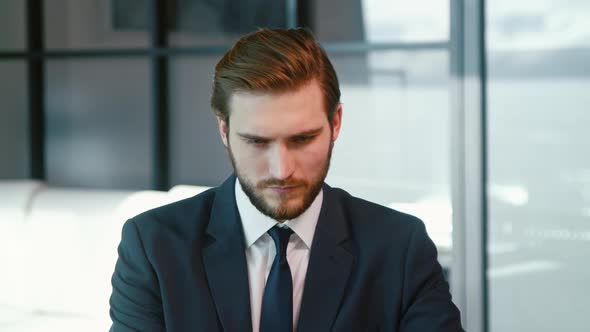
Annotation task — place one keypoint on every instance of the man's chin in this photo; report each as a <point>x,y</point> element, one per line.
<point>282,215</point>
<point>285,211</point>
<point>281,207</point>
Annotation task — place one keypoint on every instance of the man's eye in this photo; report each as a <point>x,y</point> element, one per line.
<point>255,141</point>
<point>302,139</point>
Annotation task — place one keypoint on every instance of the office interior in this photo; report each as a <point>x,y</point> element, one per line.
<point>470,114</point>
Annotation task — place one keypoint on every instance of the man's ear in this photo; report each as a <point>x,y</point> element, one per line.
<point>336,122</point>
<point>223,130</point>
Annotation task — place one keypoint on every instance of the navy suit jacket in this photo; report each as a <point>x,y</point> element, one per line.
<point>182,267</point>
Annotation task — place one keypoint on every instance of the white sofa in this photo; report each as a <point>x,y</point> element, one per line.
<point>58,251</point>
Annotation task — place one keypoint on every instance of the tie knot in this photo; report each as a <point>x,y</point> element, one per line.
<point>281,237</point>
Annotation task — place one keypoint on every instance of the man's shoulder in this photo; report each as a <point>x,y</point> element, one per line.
<point>185,215</point>
<point>377,230</point>
<point>369,217</point>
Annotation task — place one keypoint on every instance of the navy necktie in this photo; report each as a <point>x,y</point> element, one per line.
<point>277,301</point>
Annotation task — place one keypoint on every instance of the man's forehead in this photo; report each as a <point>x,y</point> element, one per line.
<point>307,98</point>
<point>253,95</point>
<point>277,115</point>
<point>237,98</point>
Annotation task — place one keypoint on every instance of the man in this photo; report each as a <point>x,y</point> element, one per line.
<point>274,248</point>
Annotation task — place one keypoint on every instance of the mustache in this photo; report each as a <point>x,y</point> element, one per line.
<point>280,183</point>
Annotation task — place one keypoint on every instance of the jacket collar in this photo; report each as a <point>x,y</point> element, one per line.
<point>330,264</point>
<point>224,260</point>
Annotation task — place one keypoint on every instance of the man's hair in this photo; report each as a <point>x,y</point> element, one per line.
<point>274,61</point>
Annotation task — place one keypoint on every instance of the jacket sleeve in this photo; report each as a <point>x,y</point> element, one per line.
<point>427,300</point>
<point>135,301</point>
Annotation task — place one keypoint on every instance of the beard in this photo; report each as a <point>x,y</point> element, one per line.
<point>281,212</point>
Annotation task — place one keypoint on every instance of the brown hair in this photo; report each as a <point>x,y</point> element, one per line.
<point>274,61</point>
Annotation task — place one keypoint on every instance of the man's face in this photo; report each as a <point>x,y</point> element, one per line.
<point>280,147</point>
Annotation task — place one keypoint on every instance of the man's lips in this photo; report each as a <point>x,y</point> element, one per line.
<point>282,189</point>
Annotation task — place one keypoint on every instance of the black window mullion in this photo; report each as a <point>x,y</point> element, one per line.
<point>160,114</point>
<point>36,86</point>
<point>305,14</point>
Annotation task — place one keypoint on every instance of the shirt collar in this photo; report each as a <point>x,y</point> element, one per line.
<point>255,223</point>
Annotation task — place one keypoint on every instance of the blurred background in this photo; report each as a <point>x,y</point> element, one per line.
<point>470,114</point>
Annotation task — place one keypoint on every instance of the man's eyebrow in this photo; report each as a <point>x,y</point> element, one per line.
<point>309,132</point>
<point>250,136</point>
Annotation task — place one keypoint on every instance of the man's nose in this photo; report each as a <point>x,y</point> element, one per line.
<point>281,162</point>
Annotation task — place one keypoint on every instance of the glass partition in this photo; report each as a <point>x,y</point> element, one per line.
<point>92,24</point>
<point>14,121</point>
<point>380,20</point>
<point>539,167</point>
<point>209,23</point>
<point>99,126</point>
<point>13,30</point>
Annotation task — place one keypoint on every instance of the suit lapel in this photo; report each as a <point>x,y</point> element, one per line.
<point>224,261</point>
<point>329,268</point>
